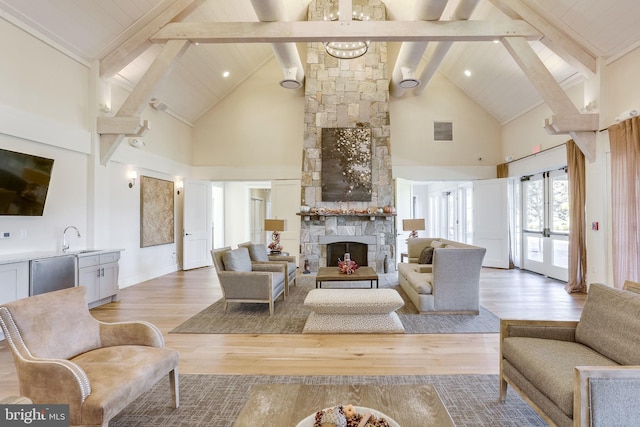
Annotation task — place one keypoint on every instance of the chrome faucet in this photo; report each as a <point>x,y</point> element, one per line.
<point>65,245</point>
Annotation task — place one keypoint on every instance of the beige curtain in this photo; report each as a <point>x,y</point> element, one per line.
<point>624,138</point>
<point>502,170</point>
<point>577,233</point>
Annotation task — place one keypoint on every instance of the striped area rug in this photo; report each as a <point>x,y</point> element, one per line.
<point>216,400</point>
<point>290,316</point>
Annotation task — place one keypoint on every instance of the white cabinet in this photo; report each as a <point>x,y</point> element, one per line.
<point>14,283</point>
<point>99,274</point>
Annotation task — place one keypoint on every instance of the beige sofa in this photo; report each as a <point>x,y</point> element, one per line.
<point>584,373</point>
<point>450,283</point>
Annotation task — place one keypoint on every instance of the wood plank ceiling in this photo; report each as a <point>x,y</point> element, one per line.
<point>90,29</point>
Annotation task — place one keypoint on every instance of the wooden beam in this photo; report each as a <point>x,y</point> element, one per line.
<point>552,94</point>
<point>556,40</point>
<point>126,125</point>
<point>131,48</point>
<point>564,123</point>
<point>586,141</point>
<point>317,31</point>
<point>142,93</point>
<point>539,76</point>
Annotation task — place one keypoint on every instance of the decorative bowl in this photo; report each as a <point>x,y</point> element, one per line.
<point>308,421</point>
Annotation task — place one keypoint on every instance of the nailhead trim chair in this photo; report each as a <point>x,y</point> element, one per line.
<point>63,355</point>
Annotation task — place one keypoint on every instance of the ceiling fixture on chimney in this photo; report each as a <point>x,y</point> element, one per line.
<point>409,80</point>
<point>290,80</point>
<point>346,50</point>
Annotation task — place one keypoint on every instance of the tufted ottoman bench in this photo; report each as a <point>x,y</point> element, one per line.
<point>353,311</point>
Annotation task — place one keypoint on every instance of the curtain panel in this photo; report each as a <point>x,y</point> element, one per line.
<point>577,234</point>
<point>624,139</point>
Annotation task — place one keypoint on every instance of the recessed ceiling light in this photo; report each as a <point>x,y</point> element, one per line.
<point>225,74</point>
<point>496,41</point>
<point>467,73</point>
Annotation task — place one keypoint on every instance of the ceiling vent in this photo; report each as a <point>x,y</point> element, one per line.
<point>443,131</point>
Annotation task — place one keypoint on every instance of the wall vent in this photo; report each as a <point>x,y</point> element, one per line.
<point>443,131</point>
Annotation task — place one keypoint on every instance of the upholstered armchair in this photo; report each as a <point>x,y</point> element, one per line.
<point>63,355</point>
<point>242,281</point>
<point>259,255</point>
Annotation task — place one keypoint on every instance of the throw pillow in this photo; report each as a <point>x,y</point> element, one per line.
<point>436,244</point>
<point>237,260</point>
<point>258,253</point>
<point>426,256</point>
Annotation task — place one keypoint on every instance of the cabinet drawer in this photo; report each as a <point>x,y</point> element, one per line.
<point>109,257</point>
<point>88,261</point>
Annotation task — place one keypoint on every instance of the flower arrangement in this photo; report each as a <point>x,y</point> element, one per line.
<point>347,266</point>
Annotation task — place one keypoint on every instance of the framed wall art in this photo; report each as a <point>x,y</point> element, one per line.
<point>156,212</point>
<point>346,164</point>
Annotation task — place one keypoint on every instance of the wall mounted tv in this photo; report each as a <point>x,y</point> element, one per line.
<point>24,183</point>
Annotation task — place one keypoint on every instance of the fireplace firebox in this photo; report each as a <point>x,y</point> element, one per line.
<point>358,252</point>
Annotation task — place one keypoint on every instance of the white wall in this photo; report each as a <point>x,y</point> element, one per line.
<point>237,213</point>
<point>256,132</point>
<point>46,109</point>
<point>519,143</point>
<point>476,135</point>
<point>619,92</point>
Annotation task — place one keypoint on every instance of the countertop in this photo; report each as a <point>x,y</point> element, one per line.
<point>28,256</point>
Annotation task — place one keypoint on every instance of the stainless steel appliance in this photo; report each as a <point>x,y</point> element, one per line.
<point>52,274</point>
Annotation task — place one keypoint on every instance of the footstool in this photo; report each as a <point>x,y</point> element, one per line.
<point>353,311</point>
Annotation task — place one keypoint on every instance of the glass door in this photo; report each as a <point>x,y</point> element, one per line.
<point>545,224</point>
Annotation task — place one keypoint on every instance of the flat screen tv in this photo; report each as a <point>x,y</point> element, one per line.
<point>24,183</point>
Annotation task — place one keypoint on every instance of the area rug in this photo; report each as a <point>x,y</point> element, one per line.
<point>216,400</point>
<point>290,316</point>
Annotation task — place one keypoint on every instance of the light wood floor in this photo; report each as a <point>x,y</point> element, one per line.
<point>169,300</point>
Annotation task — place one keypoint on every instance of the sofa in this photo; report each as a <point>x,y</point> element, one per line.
<point>449,282</point>
<point>584,373</point>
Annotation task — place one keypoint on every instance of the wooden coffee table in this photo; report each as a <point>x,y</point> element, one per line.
<point>332,274</point>
<point>271,405</point>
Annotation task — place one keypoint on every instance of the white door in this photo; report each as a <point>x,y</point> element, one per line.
<point>404,210</point>
<point>285,203</point>
<point>491,221</point>
<point>545,228</point>
<point>196,246</point>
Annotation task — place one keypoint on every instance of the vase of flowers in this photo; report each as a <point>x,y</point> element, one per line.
<point>347,266</point>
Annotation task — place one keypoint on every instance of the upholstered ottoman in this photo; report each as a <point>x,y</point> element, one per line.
<point>353,311</point>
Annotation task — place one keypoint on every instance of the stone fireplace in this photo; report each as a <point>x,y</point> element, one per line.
<point>347,93</point>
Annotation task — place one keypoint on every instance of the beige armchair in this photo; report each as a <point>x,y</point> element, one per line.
<point>258,254</point>
<point>242,281</point>
<point>63,355</point>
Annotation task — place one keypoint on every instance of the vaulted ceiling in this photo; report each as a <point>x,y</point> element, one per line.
<point>92,30</point>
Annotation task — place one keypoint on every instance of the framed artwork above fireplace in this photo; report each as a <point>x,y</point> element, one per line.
<point>346,164</point>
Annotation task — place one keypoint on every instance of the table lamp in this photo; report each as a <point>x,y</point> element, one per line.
<point>413,225</point>
<point>276,226</point>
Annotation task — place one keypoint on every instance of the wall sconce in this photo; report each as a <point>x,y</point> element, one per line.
<point>179,186</point>
<point>132,175</point>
